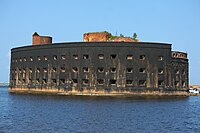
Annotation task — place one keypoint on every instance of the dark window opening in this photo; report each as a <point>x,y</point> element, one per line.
<point>54,69</point>
<point>63,57</point>
<point>142,82</point>
<point>100,69</point>
<point>30,70</point>
<point>85,81</point>
<point>44,81</point>
<point>44,70</point>
<point>101,56</point>
<point>62,81</point>
<point>20,71</point>
<point>177,71</point>
<point>85,69</point>
<point>142,70</point>
<point>112,82</point>
<point>142,57</point>
<point>160,83</point>
<point>75,69</point>
<point>62,69</point>
<point>100,81</point>
<point>183,72</point>
<point>129,70</point>
<point>113,56</point>
<point>129,57</point>
<point>160,58</point>
<point>24,70</point>
<point>31,58</point>
<point>54,81</point>
<point>45,58</point>
<point>129,82</point>
<point>39,58</point>
<point>85,57</point>
<point>75,81</point>
<point>16,60</point>
<point>55,57</point>
<point>177,83</point>
<point>160,71</point>
<point>37,81</point>
<point>38,70</point>
<point>75,56</point>
<point>183,84</point>
<point>113,70</point>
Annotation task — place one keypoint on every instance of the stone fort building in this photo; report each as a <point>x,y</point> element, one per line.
<point>101,64</point>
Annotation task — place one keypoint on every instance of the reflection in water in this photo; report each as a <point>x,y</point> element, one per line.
<point>43,113</point>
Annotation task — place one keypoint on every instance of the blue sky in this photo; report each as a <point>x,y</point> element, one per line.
<point>171,21</point>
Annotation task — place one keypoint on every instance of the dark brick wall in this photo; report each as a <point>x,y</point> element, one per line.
<point>108,66</point>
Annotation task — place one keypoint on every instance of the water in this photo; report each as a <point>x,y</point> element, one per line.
<point>39,113</point>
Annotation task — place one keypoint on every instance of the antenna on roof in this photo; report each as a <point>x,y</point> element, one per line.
<point>116,33</point>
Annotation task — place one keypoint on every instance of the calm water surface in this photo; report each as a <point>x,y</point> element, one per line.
<point>38,113</point>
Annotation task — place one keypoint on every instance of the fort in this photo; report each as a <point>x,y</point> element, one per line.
<point>100,65</point>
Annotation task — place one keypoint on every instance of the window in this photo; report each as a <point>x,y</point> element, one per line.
<point>129,57</point>
<point>101,56</point>
<point>30,70</point>
<point>100,81</point>
<point>25,59</point>
<point>20,59</point>
<point>113,56</point>
<point>142,82</point>
<point>62,81</point>
<point>85,69</point>
<point>75,56</point>
<point>183,72</point>
<point>44,81</point>
<point>31,58</point>
<point>45,70</point>
<point>38,70</point>
<point>176,71</point>
<point>63,57</point>
<point>100,69</point>
<point>160,71</point>
<point>183,84</point>
<point>160,83</point>
<point>45,57</point>
<point>142,57</point>
<point>177,83</point>
<point>39,58</point>
<point>62,69</point>
<point>54,69</point>
<point>112,82</point>
<point>55,57</point>
<point>20,71</point>
<point>113,70</point>
<point>85,57</point>
<point>129,82</point>
<point>54,81</point>
<point>75,69</point>
<point>142,70</point>
<point>85,81</point>
<point>75,81</point>
<point>15,59</point>
<point>160,58</point>
<point>129,70</point>
<point>37,81</point>
<point>24,70</point>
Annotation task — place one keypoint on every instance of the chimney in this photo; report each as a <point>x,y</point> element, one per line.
<point>40,40</point>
